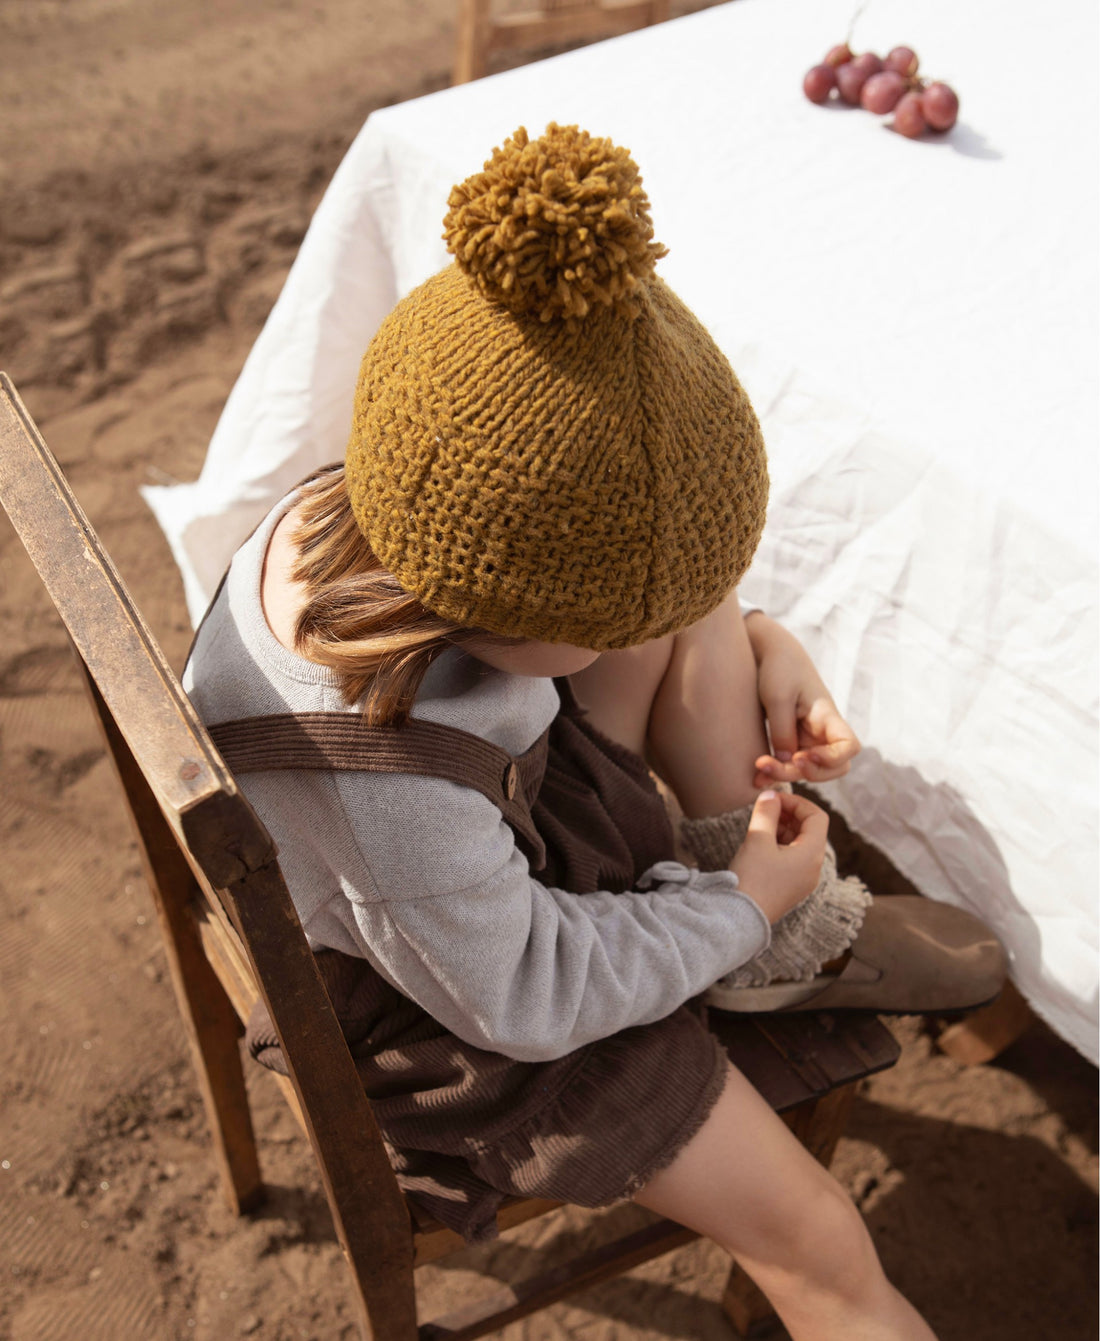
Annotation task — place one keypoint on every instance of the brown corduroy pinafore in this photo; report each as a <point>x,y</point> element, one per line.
<point>465,1126</point>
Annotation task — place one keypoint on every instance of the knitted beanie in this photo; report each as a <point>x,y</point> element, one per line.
<point>546,443</point>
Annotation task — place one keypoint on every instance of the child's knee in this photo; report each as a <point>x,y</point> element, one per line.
<point>834,1245</point>
<point>807,1226</point>
<point>618,690</point>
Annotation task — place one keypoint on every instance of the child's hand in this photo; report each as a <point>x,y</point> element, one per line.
<point>818,747</point>
<point>811,741</point>
<point>779,863</point>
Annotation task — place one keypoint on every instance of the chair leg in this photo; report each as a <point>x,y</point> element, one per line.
<point>985,1034</point>
<point>819,1126</point>
<point>208,1015</point>
<point>390,1312</point>
<point>213,1031</point>
<point>473,21</point>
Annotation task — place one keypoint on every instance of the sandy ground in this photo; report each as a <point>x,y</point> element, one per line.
<point>158,164</point>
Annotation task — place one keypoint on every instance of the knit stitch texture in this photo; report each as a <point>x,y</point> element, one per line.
<point>819,929</point>
<point>546,442</point>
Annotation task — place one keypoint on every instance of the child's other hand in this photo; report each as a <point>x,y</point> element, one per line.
<point>815,747</point>
<point>810,740</point>
<point>779,863</point>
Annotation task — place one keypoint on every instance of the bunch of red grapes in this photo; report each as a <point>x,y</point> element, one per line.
<point>883,86</point>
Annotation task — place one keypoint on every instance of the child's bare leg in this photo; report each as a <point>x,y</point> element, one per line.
<point>706,727</point>
<point>744,1181</point>
<point>618,690</point>
<point>689,703</point>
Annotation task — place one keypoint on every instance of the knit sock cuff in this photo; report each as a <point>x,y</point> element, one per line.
<point>820,928</point>
<point>713,839</point>
<point>817,930</point>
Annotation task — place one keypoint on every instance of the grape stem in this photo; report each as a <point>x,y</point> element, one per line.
<point>855,19</point>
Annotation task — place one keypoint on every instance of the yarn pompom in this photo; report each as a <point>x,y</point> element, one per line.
<point>554,225</point>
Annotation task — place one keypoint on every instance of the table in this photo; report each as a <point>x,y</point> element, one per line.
<point>916,323</point>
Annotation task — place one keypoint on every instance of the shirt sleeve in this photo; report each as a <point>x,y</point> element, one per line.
<point>513,966</point>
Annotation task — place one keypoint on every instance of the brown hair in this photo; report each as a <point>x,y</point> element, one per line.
<point>356,618</point>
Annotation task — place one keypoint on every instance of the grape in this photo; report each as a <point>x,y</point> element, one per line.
<point>883,87</point>
<point>869,63</point>
<point>909,117</point>
<point>819,83</point>
<point>849,81</point>
<point>903,60</point>
<point>940,106</point>
<point>882,92</point>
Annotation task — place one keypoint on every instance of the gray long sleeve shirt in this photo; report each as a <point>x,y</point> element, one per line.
<point>422,877</point>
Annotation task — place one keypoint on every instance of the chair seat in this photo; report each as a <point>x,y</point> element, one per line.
<point>795,1059</point>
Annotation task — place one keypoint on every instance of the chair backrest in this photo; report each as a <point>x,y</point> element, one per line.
<point>207,854</point>
<point>484,30</point>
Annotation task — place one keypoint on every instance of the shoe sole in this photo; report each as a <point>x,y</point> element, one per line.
<point>804,1004</point>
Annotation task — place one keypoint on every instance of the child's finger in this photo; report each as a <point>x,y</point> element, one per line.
<point>834,753</point>
<point>782,727</point>
<point>815,766</point>
<point>829,734</point>
<point>813,825</point>
<point>766,813</point>
<point>801,810</point>
<point>769,769</point>
<point>820,763</point>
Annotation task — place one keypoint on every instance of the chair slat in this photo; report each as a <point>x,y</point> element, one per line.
<point>793,1059</point>
<point>434,1241</point>
<point>227,958</point>
<point>511,1304</point>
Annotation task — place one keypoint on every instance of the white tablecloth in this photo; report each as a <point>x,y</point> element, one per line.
<point>916,323</point>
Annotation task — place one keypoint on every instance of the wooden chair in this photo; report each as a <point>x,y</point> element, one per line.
<point>484,32</point>
<point>232,936</point>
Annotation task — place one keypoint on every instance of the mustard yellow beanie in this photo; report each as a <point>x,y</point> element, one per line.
<point>546,443</point>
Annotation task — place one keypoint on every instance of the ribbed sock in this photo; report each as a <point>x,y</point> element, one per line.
<point>819,929</point>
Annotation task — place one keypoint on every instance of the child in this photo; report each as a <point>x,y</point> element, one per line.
<point>441,669</point>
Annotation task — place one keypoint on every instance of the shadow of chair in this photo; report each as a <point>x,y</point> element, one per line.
<point>232,937</point>
<point>485,31</point>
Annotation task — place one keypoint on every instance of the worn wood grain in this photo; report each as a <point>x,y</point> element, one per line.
<point>207,1013</point>
<point>985,1034</point>
<point>482,33</point>
<point>796,1058</point>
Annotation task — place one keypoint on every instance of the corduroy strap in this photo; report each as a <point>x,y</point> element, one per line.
<point>343,742</point>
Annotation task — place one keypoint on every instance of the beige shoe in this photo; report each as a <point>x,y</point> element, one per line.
<point>913,956</point>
